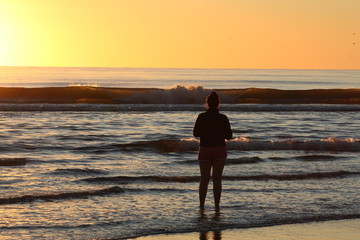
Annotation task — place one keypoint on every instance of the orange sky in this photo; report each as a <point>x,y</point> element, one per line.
<point>314,34</point>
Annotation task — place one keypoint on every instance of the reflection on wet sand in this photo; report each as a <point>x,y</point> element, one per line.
<point>211,235</point>
<point>206,222</point>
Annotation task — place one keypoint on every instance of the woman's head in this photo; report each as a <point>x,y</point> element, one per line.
<point>213,100</point>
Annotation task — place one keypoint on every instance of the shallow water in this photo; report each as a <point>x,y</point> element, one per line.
<point>131,173</point>
<point>170,77</point>
<point>83,171</point>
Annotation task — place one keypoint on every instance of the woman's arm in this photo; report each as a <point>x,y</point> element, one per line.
<point>228,131</point>
<point>197,128</point>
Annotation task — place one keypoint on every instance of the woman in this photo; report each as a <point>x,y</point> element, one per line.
<point>212,128</point>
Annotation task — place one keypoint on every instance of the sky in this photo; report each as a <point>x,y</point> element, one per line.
<point>260,34</point>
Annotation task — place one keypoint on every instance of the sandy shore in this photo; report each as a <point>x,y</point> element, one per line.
<point>330,230</point>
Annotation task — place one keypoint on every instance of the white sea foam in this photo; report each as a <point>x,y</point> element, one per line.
<point>84,85</point>
<point>247,144</point>
<point>176,95</point>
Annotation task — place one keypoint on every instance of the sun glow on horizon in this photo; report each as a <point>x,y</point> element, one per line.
<point>6,37</point>
<point>318,34</point>
<point>4,45</point>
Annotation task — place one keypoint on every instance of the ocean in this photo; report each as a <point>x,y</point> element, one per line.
<point>108,153</point>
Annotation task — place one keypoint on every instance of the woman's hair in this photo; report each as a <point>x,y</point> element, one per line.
<point>213,100</point>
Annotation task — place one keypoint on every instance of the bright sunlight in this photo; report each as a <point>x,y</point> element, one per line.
<point>5,45</point>
<point>304,34</point>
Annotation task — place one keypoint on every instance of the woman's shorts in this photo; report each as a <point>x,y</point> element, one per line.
<point>212,153</point>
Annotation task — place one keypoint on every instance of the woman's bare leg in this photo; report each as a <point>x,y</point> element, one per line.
<point>218,167</point>
<point>205,169</point>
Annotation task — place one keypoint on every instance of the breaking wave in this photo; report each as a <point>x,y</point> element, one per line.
<point>192,144</point>
<point>328,144</point>
<point>175,95</point>
<point>247,144</point>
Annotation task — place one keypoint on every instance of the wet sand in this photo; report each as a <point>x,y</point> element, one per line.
<point>329,230</point>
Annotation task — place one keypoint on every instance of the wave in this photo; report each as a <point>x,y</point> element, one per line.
<point>313,158</point>
<point>60,196</point>
<point>229,161</point>
<point>325,96</point>
<point>163,145</point>
<point>13,161</point>
<point>78,171</point>
<point>189,179</point>
<point>192,144</point>
<point>87,107</point>
<point>98,95</point>
<point>176,95</point>
<point>328,144</point>
<point>247,144</point>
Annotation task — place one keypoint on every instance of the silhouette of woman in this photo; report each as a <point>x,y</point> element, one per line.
<point>212,128</point>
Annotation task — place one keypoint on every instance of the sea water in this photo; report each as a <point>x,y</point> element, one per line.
<point>168,77</point>
<point>90,172</point>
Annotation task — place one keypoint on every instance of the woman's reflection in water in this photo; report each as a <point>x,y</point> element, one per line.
<point>210,235</point>
<point>208,222</point>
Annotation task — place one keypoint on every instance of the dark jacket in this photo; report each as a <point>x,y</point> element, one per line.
<point>212,128</point>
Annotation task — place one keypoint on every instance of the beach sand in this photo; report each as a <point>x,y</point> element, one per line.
<point>329,230</point>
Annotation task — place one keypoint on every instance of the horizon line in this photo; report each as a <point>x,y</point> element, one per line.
<point>208,68</point>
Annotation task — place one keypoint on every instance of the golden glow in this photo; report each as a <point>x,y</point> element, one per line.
<point>4,45</point>
<point>187,33</point>
<point>6,37</point>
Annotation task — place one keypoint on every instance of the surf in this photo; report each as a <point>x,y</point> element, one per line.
<point>178,94</point>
